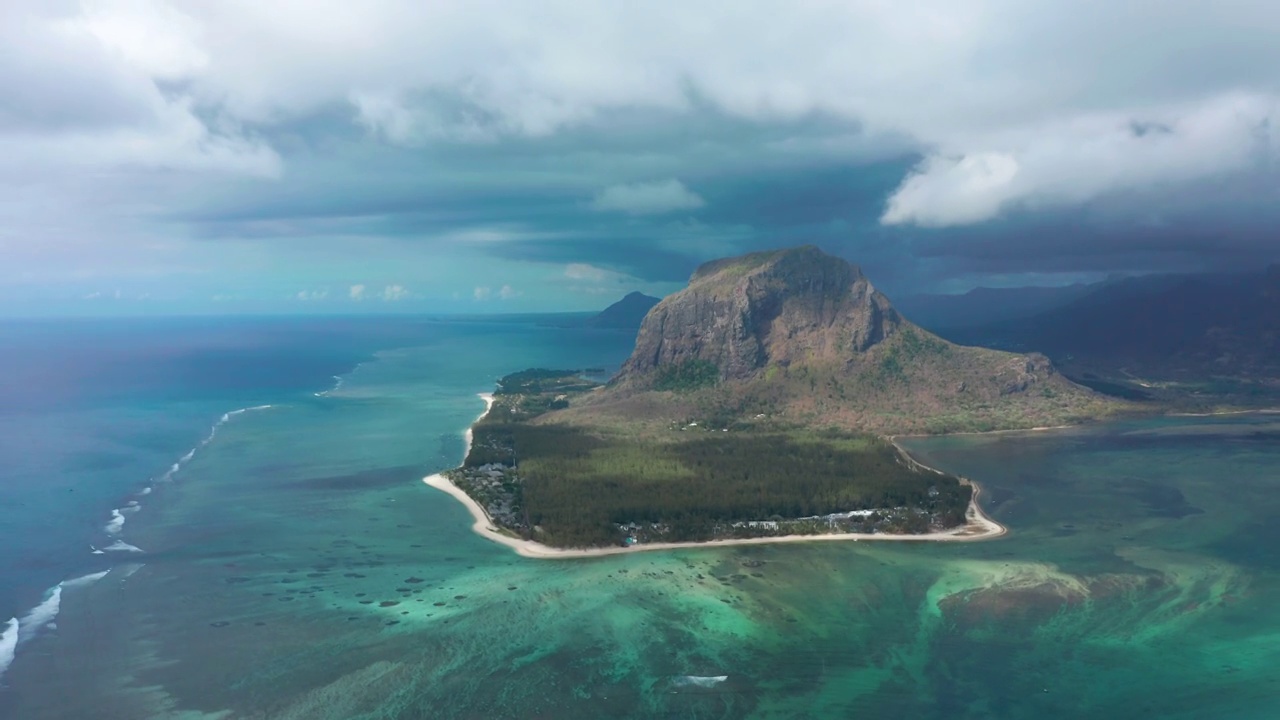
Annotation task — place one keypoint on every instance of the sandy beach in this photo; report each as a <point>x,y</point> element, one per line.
<point>1220,413</point>
<point>977,528</point>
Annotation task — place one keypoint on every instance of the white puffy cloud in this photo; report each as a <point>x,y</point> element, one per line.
<point>484,292</point>
<point>312,295</point>
<point>1082,158</point>
<point>356,292</point>
<point>585,271</point>
<point>587,278</point>
<point>111,84</point>
<point>392,293</point>
<point>647,198</point>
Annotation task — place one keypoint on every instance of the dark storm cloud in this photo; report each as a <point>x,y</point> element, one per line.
<point>931,142</point>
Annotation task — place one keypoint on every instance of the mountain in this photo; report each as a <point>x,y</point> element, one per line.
<point>985,306</point>
<point>1187,327</point>
<point>625,314</point>
<point>746,410</point>
<point>742,314</point>
<point>804,336</point>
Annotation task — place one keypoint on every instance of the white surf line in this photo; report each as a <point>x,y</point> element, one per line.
<point>8,645</point>
<point>19,632</point>
<point>115,525</point>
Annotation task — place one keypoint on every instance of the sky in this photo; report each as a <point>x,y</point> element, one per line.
<point>384,156</point>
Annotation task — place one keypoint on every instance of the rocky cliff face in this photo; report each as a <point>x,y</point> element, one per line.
<point>784,307</point>
<point>799,336</point>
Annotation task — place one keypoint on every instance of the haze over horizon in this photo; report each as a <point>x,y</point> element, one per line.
<point>494,157</point>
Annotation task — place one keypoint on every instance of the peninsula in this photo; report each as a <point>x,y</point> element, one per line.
<point>758,406</point>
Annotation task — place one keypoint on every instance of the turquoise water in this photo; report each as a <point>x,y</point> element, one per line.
<point>94,412</point>
<point>296,567</point>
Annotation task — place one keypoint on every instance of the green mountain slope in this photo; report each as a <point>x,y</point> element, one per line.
<point>803,337</point>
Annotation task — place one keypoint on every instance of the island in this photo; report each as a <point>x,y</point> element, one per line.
<point>626,314</point>
<point>759,405</point>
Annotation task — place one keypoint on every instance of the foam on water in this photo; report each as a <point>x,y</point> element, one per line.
<point>702,681</point>
<point>19,632</point>
<point>126,570</point>
<point>8,644</point>
<point>337,384</point>
<point>41,615</point>
<point>115,525</point>
<point>84,580</point>
<point>213,432</point>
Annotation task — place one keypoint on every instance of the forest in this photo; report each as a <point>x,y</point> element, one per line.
<point>587,487</point>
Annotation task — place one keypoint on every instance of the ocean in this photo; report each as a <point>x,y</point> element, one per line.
<point>224,518</point>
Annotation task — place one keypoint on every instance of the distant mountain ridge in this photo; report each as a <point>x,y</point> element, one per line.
<point>1168,326</point>
<point>984,305</point>
<point>626,314</point>
<point>805,334</point>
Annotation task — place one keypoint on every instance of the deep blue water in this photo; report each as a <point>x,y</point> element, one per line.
<point>93,411</point>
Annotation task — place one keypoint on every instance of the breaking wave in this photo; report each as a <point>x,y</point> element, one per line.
<point>40,616</point>
<point>337,384</point>
<point>213,432</point>
<point>19,632</point>
<point>702,681</point>
<point>116,524</point>
<point>8,644</point>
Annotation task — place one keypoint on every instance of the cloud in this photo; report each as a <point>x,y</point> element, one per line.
<point>392,293</point>
<point>356,292</point>
<point>647,198</point>
<point>312,295</point>
<point>584,271</point>
<point>484,292</point>
<point>954,190</point>
<point>584,277</point>
<point>196,84</point>
<point>1087,157</point>
<point>432,139</point>
<point>111,84</point>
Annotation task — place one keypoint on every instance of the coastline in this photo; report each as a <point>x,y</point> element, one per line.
<point>978,526</point>
<point>1220,413</point>
<point>1011,431</point>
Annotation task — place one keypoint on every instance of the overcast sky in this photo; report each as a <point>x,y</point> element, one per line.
<point>282,155</point>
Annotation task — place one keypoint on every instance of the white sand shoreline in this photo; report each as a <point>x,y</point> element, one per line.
<point>1220,413</point>
<point>978,527</point>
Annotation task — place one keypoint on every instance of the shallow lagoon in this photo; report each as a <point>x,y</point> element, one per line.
<point>298,568</point>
